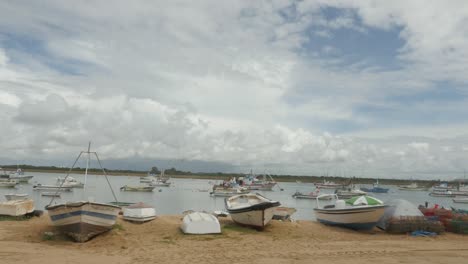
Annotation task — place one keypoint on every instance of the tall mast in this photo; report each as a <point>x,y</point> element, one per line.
<point>87,165</point>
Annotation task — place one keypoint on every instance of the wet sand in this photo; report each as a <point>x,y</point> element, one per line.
<point>161,241</point>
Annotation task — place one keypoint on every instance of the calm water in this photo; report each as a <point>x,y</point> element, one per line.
<point>191,194</point>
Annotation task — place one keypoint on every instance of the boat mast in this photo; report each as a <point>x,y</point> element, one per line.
<point>87,166</point>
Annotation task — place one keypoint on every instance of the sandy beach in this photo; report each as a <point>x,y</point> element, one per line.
<point>161,241</point>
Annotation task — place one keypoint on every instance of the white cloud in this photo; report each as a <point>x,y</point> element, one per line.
<point>230,82</point>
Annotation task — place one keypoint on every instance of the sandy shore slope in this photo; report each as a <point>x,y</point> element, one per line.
<point>161,241</point>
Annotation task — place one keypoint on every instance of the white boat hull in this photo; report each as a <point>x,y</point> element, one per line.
<point>460,200</point>
<point>17,207</point>
<point>139,214</point>
<point>200,223</point>
<point>251,210</point>
<point>359,218</point>
<point>12,197</point>
<point>83,220</point>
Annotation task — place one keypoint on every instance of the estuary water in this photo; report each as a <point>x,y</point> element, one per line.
<point>193,194</point>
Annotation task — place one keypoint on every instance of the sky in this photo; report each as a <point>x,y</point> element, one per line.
<point>345,88</point>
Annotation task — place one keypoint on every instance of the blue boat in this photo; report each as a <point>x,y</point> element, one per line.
<point>375,190</point>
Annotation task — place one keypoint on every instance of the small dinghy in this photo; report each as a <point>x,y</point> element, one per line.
<point>127,188</point>
<point>16,196</point>
<point>51,194</point>
<point>139,212</point>
<point>251,209</point>
<point>200,223</point>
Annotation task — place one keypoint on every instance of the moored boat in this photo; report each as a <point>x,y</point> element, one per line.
<point>460,200</point>
<point>412,187</point>
<point>311,195</point>
<point>251,209</point>
<point>329,185</point>
<point>442,194</point>
<point>16,196</point>
<point>51,194</point>
<point>358,213</point>
<point>228,191</point>
<point>41,187</point>
<point>127,188</point>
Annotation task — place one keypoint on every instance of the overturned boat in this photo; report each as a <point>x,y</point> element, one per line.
<point>251,209</point>
<point>17,207</point>
<point>200,223</point>
<point>139,212</point>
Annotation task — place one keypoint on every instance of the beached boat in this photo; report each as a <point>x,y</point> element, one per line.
<point>200,223</point>
<point>17,207</point>
<point>251,209</point>
<point>16,196</point>
<point>127,188</point>
<point>283,213</point>
<point>359,213</point>
<point>139,212</point>
<point>412,187</point>
<point>83,220</point>
<point>460,200</point>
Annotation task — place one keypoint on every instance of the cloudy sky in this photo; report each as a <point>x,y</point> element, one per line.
<point>364,88</point>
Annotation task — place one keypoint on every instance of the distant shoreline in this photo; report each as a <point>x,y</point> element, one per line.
<point>222,176</point>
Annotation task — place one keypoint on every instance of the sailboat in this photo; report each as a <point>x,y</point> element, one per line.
<point>83,220</point>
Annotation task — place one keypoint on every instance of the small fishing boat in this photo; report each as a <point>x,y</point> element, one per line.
<point>69,182</point>
<point>228,191</point>
<point>348,193</point>
<point>127,188</point>
<point>51,194</point>
<point>256,182</point>
<point>460,200</point>
<point>8,183</point>
<point>19,176</point>
<point>200,223</point>
<point>311,195</point>
<point>359,213</point>
<point>40,187</point>
<point>412,187</point>
<point>375,188</point>
<point>329,185</point>
<point>139,212</point>
<point>251,209</point>
<point>83,220</point>
<point>16,196</point>
<point>442,194</point>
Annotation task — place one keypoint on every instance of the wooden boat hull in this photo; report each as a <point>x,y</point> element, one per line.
<point>200,223</point>
<point>83,220</point>
<point>256,215</point>
<point>358,218</point>
<point>139,212</point>
<point>17,207</point>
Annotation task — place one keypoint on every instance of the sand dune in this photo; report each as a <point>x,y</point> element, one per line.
<point>161,241</point>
